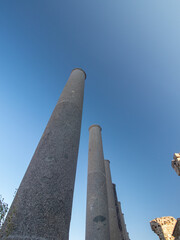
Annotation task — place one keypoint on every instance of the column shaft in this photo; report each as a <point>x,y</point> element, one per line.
<point>42,206</point>
<point>124,229</point>
<point>97,222</point>
<point>113,219</point>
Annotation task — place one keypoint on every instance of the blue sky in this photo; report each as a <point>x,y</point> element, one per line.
<point>130,51</point>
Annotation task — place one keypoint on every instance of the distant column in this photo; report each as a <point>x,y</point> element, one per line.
<point>97,222</point>
<point>124,229</point>
<point>113,219</point>
<point>118,213</point>
<point>42,207</point>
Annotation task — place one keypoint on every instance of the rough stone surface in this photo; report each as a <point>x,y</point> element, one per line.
<point>42,206</point>
<point>176,163</point>
<point>176,232</point>
<point>115,231</point>
<point>163,227</point>
<point>97,221</point>
<point>124,229</point>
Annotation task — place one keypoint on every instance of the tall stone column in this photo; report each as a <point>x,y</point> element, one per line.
<point>97,222</point>
<point>42,207</point>
<point>113,219</point>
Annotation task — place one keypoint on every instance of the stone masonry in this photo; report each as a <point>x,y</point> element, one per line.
<point>124,229</point>
<point>115,233</point>
<point>164,227</point>
<point>97,219</point>
<point>42,206</point>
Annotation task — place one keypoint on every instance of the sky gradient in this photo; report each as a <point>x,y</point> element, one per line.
<point>130,51</point>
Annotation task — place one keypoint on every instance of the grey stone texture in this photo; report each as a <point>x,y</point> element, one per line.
<point>97,221</point>
<point>120,224</point>
<point>42,206</point>
<point>115,233</point>
<point>124,229</point>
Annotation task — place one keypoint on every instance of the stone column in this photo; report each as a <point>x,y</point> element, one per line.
<point>118,213</point>
<point>97,222</point>
<point>42,207</point>
<point>113,219</point>
<point>124,229</point>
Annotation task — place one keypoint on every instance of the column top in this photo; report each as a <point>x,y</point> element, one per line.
<point>80,70</point>
<point>107,160</point>
<point>95,125</point>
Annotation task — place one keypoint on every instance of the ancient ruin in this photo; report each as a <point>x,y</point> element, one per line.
<point>42,206</point>
<point>103,214</point>
<point>176,232</point>
<point>124,229</point>
<point>176,163</point>
<point>115,228</point>
<point>164,227</point>
<point>97,219</point>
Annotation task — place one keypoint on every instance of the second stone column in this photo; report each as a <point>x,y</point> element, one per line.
<point>97,221</point>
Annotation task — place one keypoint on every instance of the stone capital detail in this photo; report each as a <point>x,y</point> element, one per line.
<point>164,227</point>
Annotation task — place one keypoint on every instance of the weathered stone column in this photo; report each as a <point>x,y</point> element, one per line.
<point>97,222</point>
<point>42,207</point>
<point>113,219</point>
<point>118,213</point>
<point>124,229</point>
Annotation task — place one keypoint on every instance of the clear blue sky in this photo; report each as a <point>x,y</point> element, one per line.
<point>130,51</point>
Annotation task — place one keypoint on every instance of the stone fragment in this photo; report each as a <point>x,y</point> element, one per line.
<point>164,227</point>
<point>176,163</point>
<point>176,232</point>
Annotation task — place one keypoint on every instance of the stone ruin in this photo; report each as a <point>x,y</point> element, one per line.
<point>164,227</point>
<point>176,163</point>
<point>176,232</point>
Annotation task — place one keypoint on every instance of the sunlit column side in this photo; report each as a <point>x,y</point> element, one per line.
<point>97,222</point>
<point>42,207</point>
<point>113,220</point>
